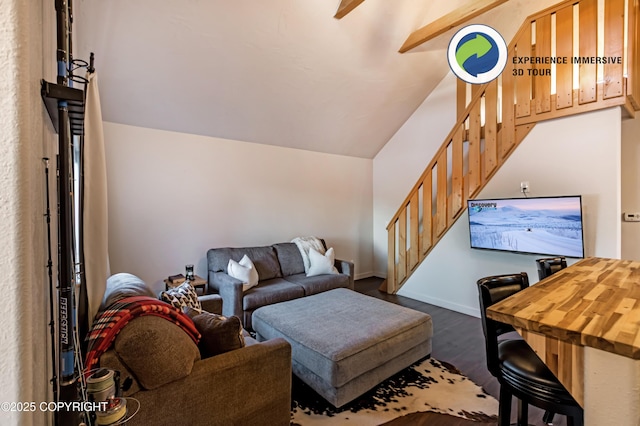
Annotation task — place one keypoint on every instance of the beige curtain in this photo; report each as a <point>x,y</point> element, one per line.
<point>95,215</point>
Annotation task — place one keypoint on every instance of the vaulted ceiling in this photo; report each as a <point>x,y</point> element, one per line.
<point>278,72</point>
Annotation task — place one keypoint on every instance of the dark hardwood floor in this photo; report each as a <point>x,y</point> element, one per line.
<point>458,340</point>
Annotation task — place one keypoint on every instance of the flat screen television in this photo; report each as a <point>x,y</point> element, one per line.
<point>539,225</point>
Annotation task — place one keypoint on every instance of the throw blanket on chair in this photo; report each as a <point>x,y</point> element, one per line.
<point>109,323</point>
<point>304,244</point>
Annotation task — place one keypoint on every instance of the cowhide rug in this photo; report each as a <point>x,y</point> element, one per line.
<point>428,385</point>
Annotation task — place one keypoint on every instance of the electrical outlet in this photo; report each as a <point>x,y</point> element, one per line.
<point>631,217</point>
<point>524,187</point>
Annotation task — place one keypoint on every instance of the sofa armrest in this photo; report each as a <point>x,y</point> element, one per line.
<point>251,385</point>
<point>211,303</point>
<point>230,289</point>
<point>347,268</point>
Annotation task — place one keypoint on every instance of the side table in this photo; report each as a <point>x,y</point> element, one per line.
<point>197,283</point>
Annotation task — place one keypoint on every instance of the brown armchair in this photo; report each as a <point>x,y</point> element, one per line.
<point>161,367</point>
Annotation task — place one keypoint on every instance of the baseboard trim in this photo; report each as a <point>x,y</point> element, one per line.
<point>363,275</point>
<point>474,312</point>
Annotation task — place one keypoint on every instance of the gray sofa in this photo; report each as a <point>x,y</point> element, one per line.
<point>281,272</point>
<point>162,368</point>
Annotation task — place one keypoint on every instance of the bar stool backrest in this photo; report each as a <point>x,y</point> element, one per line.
<point>550,265</point>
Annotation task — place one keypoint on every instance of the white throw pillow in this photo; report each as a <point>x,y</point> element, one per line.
<point>321,264</point>
<point>244,271</point>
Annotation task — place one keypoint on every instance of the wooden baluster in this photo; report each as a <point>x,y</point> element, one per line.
<point>426,240</point>
<point>522,84</point>
<point>391,258</point>
<point>564,49</point>
<point>490,129</point>
<point>507,132</point>
<point>588,48</point>
<point>474,176</point>
<point>613,47</point>
<point>402,246</point>
<point>457,178</point>
<point>441,194</point>
<point>543,81</point>
<point>414,231</point>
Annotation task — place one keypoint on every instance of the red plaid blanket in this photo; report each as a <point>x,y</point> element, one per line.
<point>107,326</point>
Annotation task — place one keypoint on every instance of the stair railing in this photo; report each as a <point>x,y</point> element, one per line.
<point>501,113</point>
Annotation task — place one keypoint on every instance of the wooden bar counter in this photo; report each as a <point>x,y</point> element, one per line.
<point>584,323</point>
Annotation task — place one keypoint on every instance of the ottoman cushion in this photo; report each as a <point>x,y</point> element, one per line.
<point>340,335</point>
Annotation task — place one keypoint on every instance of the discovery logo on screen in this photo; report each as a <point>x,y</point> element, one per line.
<point>477,54</point>
<point>478,207</point>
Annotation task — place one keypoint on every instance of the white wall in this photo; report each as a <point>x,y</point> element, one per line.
<point>400,163</point>
<point>172,196</point>
<point>631,186</point>
<point>24,337</point>
<point>576,155</point>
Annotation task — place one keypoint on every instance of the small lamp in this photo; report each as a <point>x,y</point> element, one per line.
<point>189,274</point>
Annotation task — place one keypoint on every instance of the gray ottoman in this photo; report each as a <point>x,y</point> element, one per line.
<point>345,343</point>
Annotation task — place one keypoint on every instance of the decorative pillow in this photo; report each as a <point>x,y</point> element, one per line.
<point>182,296</point>
<point>321,264</point>
<point>244,271</point>
<point>219,334</point>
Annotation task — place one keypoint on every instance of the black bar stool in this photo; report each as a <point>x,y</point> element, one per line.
<point>519,370</point>
<point>550,265</point>
<point>546,267</point>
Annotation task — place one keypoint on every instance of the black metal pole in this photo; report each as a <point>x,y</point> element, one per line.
<point>80,308</point>
<point>66,263</point>
<point>67,372</point>
<point>54,377</point>
<point>68,391</point>
<point>70,40</point>
<point>62,48</point>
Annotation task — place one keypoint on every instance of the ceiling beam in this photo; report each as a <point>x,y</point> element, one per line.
<point>345,7</point>
<point>448,21</point>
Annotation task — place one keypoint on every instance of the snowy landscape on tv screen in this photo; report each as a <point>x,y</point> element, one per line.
<point>550,226</point>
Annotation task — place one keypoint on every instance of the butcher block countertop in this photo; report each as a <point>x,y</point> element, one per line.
<point>594,302</point>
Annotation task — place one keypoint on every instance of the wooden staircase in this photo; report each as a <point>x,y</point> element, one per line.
<point>500,114</point>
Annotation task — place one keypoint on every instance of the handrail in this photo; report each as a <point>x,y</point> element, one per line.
<point>476,98</point>
<point>475,151</point>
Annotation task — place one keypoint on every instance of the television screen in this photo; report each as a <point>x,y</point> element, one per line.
<point>542,225</point>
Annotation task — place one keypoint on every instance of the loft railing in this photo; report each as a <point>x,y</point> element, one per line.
<point>501,113</point>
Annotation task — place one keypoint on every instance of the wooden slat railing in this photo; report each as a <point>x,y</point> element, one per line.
<point>473,151</point>
<point>633,54</point>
